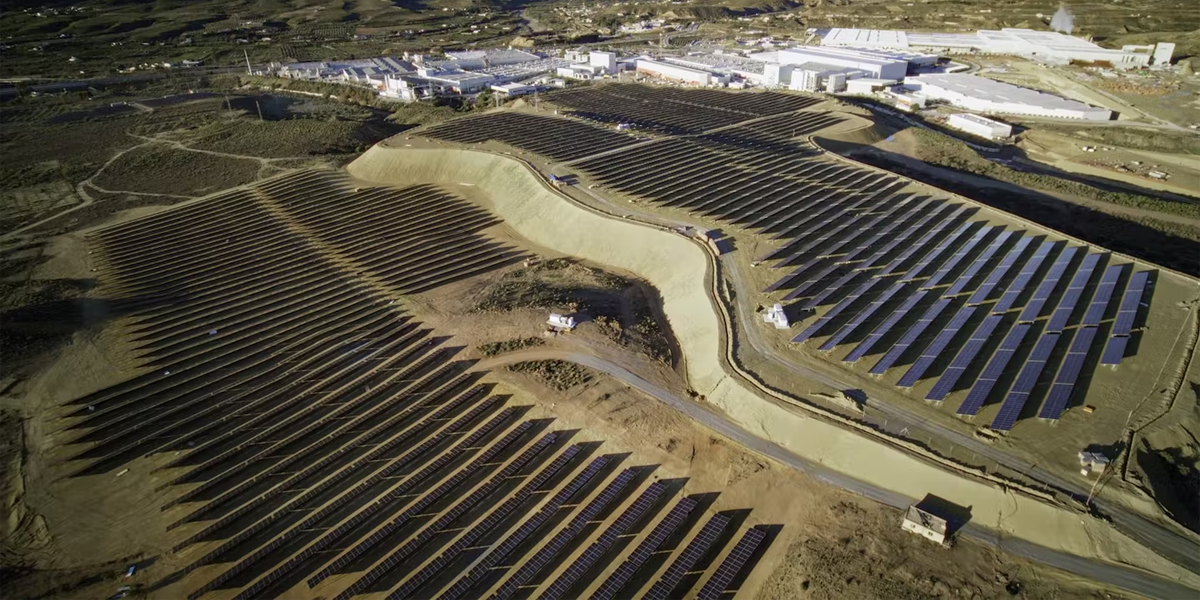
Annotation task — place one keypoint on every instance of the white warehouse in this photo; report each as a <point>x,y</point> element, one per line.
<point>994,97</point>
<point>980,126</point>
<point>672,72</point>
<point>872,64</point>
<point>1046,46</point>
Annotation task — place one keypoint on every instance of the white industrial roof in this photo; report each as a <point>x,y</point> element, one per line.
<point>996,91</point>
<point>978,119</point>
<point>660,63</point>
<point>885,38</point>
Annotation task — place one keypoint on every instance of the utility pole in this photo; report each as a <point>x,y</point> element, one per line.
<point>247,55</point>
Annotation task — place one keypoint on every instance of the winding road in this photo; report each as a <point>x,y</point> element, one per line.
<point>1123,577</point>
<point>1170,544</point>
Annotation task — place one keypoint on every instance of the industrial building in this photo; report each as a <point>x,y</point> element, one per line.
<point>987,96</point>
<point>1044,46</point>
<point>979,126</point>
<point>870,64</point>
<point>606,61</point>
<point>672,72</point>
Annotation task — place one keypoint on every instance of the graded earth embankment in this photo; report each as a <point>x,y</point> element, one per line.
<point>678,268</point>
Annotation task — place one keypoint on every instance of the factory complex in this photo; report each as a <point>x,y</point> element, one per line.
<point>988,96</point>
<point>1044,46</point>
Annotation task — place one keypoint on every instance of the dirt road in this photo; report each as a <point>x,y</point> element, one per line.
<point>1123,577</point>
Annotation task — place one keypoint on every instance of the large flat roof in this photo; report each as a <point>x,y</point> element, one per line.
<point>997,91</point>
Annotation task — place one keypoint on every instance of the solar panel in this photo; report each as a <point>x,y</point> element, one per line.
<point>963,359</point>
<point>1022,279</point>
<point>812,280</point>
<point>555,545</point>
<point>1130,301</point>
<point>991,373</point>
<point>733,563</point>
<point>1033,309</point>
<point>486,525</point>
<point>976,265</point>
<point>1066,305</point>
<point>998,272</point>
<point>930,235</point>
<point>786,279</point>
<point>833,288</point>
<point>1114,351</point>
<point>931,353</point>
<point>688,558</point>
<point>621,576</point>
<point>880,331</point>
<point>903,236</point>
<point>502,550</point>
<point>937,251</point>
<point>861,317</point>
<point>910,336</point>
<point>1068,373</point>
<point>957,257</point>
<point>812,330</point>
<point>1023,386</point>
<point>589,557</point>
<point>893,223</point>
<point>1104,292</point>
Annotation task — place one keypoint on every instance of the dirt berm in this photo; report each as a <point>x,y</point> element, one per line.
<point>678,268</point>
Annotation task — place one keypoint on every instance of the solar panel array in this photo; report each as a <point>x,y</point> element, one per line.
<point>621,576</point>
<point>732,565</point>
<point>692,553</point>
<point>850,239</point>
<point>1068,374</point>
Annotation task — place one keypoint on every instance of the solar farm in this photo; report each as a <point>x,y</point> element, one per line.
<point>311,435</point>
<point>991,319</point>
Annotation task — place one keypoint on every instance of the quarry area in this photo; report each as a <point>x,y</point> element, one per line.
<point>623,300</point>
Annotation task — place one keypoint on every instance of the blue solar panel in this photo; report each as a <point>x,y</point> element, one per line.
<point>958,257</point>
<point>1130,301</point>
<point>903,236</point>
<point>733,563</point>
<point>1033,309</point>
<point>930,354</point>
<point>812,280</point>
<point>976,265</point>
<point>892,224</point>
<point>963,359</point>
<point>1104,292</point>
<point>1022,279</point>
<point>910,336</point>
<point>835,311</point>
<point>995,367</point>
<point>936,252</point>
<point>1064,383</point>
<point>1066,305</point>
<point>999,271</point>
<point>830,290</point>
<point>887,324</point>
<point>861,317</point>
<point>1023,386</point>
<point>921,243</point>
<point>1114,351</point>
<point>791,276</point>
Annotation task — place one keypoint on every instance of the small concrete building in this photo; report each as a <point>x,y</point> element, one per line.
<point>980,126</point>
<point>562,322</point>
<point>777,317</point>
<point>924,524</point>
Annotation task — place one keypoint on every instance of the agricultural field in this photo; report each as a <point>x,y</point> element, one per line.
<point>122,149</point>
<point>984,323</point>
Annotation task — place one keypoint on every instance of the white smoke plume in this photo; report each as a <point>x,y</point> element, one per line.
<point>1063,20</point>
